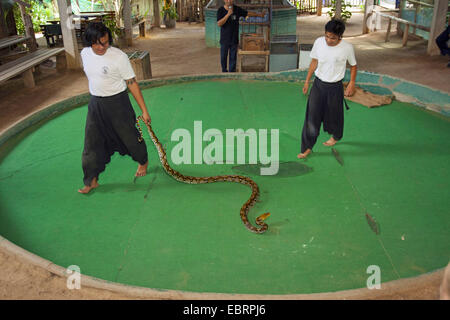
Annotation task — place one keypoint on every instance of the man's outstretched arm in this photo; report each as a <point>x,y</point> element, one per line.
<point>133,86</point>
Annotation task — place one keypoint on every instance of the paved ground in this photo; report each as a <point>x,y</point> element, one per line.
<point>183,51</point>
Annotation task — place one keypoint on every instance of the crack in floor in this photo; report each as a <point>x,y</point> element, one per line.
<point>363,208</point>
<point>11,174</point>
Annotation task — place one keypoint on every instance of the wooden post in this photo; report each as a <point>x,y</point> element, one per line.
<point>28,78</point>
<point>368,9</point>
<point>181,9</point>
<point>319,7</point>
<point>156,14</point>
<point>437,25</point>
<point>178,9</point>
<point>416,12</point>
<point>372,24</point>
<point>401,7</point>
<point>68,33</point>
<point>142,29</point>
<point>127,22</point>
<point>29,30</point>
<point>405,35</point>
<point>388,32</point>
<point>61,63</point>
<point>266,68</point>
<point>3,25</point>
<point>202,13</point>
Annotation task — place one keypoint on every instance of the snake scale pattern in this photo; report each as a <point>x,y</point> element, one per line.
<point>262,226</point>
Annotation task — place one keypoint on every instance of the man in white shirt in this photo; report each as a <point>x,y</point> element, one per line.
<point>111,120</point>
<point>329,57</point>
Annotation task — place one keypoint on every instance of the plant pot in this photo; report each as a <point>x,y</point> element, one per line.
<point>170,23</point>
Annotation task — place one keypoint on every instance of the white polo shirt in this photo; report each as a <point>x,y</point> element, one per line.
<point>332,60</point>
<point>106,73</point>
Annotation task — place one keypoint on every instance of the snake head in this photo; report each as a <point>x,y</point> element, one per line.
<point>263,217</point>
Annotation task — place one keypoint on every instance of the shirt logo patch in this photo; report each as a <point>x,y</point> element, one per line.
<point>105,70</point>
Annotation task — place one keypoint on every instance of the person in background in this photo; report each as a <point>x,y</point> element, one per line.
<point>228,20</point>
<point>442,42</point>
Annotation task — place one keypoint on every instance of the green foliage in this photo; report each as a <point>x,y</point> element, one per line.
<point>111,24</point>
<point>170,12</point>
<point>39,12</point>
<point>345,14</point>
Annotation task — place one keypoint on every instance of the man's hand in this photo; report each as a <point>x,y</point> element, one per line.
<point>312,68</point>
<point>350,90</point>
<point>133,86</point>
<point>305,88</point>
<point>146,118</point>
<point>222,21</point>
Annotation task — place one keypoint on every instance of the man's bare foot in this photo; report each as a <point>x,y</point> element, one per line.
<point>87,189</point>
<point>141,170</point>
<point>331,142</point>
<point>304,154</point>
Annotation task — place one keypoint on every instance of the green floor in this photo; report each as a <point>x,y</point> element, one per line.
<point>160,233</point>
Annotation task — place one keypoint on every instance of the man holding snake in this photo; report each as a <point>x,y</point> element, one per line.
<point>111,120</point>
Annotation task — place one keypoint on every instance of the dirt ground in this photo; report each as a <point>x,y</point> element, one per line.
<point>182,51</point>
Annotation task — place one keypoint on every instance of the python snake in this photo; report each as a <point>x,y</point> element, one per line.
<point>199,180</point>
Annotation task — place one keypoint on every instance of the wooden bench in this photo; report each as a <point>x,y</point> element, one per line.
<point>141,24</point>
<point>6,48</point>
<point>399,20</point>
<point>52,32</point>
<point>24,66</point>
<point>12,40</point>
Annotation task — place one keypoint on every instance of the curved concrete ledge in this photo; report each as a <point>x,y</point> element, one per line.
<point>390,288</point>
<point>403,90</point>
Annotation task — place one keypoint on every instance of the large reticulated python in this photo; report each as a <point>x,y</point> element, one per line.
<point>262,226</point>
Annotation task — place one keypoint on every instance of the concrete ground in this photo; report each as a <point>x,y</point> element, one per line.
<point>182,51</point>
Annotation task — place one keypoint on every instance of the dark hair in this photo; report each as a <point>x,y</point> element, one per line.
<point>335,26</point>
<point>94,32</point>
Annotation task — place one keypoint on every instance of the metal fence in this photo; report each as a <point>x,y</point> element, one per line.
<point>353,3</point>
<point>310,6</point>
<point>305,6</point>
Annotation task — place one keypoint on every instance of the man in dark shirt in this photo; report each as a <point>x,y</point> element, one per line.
<point>228,21</point>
